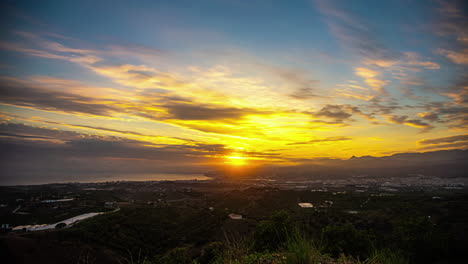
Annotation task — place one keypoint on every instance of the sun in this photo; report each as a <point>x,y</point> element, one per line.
<point>236,160</point>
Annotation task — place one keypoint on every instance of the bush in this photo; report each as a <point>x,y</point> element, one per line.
<point>346,239</point>
<point>300,250</point>
<point>179,255</point>
<point>273,233</point>
<point>387,256</point>
<point>416,236</point>
<point>212,253</point>
<point>263,258</point>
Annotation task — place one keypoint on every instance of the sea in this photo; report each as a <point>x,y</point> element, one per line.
<point>104,178</point>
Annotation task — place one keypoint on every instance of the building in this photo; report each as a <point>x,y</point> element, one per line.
<point>235,216</point>
<point>306,205</point>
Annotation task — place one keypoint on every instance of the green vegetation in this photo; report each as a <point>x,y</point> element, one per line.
<point>346,239</point>
<point>408,228</point>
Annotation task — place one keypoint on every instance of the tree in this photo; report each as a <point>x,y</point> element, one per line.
<point>346,239</point>
<point>271,234</point>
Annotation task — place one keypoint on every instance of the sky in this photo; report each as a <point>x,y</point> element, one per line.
<point>96,87</point>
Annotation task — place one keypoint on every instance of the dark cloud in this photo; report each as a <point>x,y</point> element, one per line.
<point>451,139</point>
<point>456,145</point>
<point>27,154</point>
<point>24,94</point>
<point>21,93</point>
<point>398,119</point>
<point>201,112</point>
<point>356,110</point>
<point>70,155</point>
<point>338,113</point>
<point>382,106</point>
<point>141,75</point>
<point>304,93</point>
<point>28,131</point>
<point>126,132</point>
<point>449,113</point>
<point>452,23</point>
<point>433,117</point>
<point>22,136</point>
<point>404,120</point>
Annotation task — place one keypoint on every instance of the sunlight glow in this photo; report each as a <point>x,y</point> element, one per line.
<point>236,160</point>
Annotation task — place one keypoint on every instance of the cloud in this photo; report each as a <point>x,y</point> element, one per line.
<point>327,139</point>
<point>31,132</point>
<point>453,114</point>
<point>457,145</point>
<point>137,76</point>
<point>433,117</point>
<point>338,113</point>
<point>303,93</point>
<point>378,60</point>
<point>303,86</point>
<point>370,79</point>
<point>140,136</point>
<point>377,104</point>
<point>406,61</point>
<point>442,140</point>
<point>89,158</point>
<point>73,145</point>
<point>49,94</point>
<point>353,33</point>
<point>26,153</point>
<point>458,57</point>
<point>33,52</point>
<point>452,23</point>
<point>200,112</point>
<point>211,84</point>
<point>413,59</point>
<point>459,97</point>
<point>23,93</point>
<point>366,73</point>
<point>357,111</point>
<point>2,134</point>
<point>403,120</point>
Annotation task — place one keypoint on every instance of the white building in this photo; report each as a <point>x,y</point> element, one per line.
<point>235,216</point>
<point>306,205</point>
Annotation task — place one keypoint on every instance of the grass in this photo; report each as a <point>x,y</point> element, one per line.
<point>383,256</point>
<point>298,249</point>
<point>387,256</point>
<point>301,250</point>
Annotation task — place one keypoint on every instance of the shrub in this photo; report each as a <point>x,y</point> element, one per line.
<point>387,256</point>
<point>415,236</point>
<point>212,253</point>
<point>300,250</point>
<point>179,255</point>
<point>273,233</point>
<point>346,239</point>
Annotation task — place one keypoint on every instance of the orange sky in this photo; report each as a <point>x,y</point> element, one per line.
<point>220,96</point>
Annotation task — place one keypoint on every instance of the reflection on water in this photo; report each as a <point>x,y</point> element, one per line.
<point>109,177</point>
<point>155,177</point>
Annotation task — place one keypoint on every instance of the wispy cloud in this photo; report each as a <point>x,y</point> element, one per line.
<point>328,139</point>
<point>405,120</point>
<point>442,140</point>
<point>452,23</point>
